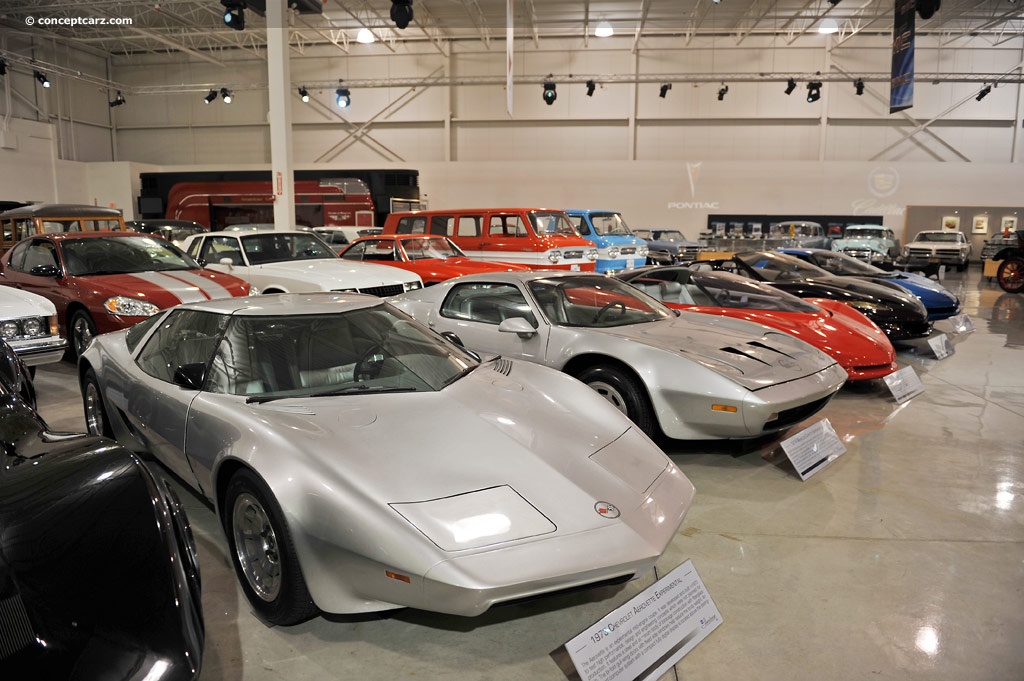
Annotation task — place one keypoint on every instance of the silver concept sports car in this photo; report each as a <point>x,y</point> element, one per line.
<point>694,376</point>
<point>360,462</point>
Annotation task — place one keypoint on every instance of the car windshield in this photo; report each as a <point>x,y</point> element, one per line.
<point>865,234</point>
<point>359,352</point>
<point>673,235</point>
<point>552,223</point>
<point>270,247</point>
<point>609,223</point>
<point>779,267</point>
<point>595,302</point>
<point>429,248</point>
<point>723,289</point>
<point>840,263</point>
<point>942,237</point>
<point>122,255</point>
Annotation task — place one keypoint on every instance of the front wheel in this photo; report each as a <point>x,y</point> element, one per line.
<point>96,421</point>
<point>81,329</point>
<point>624,393</point>
<point>262,552</point>
<point>1010,274</point>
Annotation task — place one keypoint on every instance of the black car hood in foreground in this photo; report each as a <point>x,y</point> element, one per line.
<point>98,577</point>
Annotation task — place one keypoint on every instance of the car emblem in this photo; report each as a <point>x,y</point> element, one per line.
<point>606,510</point>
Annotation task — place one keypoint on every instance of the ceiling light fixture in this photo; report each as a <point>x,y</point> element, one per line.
<point>927,8</point>
<point>604,30</point>
<point>210,97</point>
<point>858,85</point>
<point>790,86</point>
<point>234,15</point>
<point>591,86</point>
<point>401,13</point>
<point>665,87</point>
<point>304,93</point>
<point>365,36</point>
<point>828,26</point>
<point>343,98</point>
<point>117,101</point>
<point>41,77</point>
<point>549,92</point>
<point>722,91</point>
<point>814,91</point>
<point>225,94</point>
<point>983,92</point>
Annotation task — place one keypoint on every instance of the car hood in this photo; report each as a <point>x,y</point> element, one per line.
<point>17,303</point>
<point>917,283</point>
<point>878,291</point>
<point>936,245</point>
<point>750,354</point>
<point>165,289</point>
<point>344,273</point>
<point>875,244</point>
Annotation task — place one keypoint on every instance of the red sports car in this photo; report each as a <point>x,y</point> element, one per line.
<point>433,258</point>
<point>853,340</point>
<point>105,281</point>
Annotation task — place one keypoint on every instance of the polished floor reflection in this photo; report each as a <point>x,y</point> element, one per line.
<point>903,559</point>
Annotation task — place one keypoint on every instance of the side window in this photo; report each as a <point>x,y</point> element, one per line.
<point>441,225</point>
<point>217,248</point>
<point>469,225</point>
<point>507,225</point>
<point>414,224</point>
<point>379,249</point>
<point>194,246</point>
<point>185,337</point>
<point>355,251</point>
<point>39,252</point>
<point>580,223</point>
<point>487,303</point>
<point>17,261</point>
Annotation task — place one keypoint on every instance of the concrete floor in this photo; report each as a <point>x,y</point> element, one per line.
<point>904,559</point>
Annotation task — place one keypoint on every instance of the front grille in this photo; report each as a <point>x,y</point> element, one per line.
<point>859,253</point>
<point>628,251</point>
<point>15,625</point>
<point>572,254</point>
<point>687,253</point>
<point>788,417</point>
<point>383,291</point>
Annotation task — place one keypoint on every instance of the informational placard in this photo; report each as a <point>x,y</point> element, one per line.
<point>941,346</point>
<point>962,323</point>
<point>649,633</point>
<point>904,384</point>
<point>813,448</point>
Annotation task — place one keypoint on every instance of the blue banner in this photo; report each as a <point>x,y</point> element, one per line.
<point>901,90</point>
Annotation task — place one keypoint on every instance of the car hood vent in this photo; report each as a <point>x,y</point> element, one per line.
<point>502,366</point>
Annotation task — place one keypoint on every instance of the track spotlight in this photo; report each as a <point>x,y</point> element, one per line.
<point>665,87</point>
<point>858,85</point>
<point>41,77</point>
<point>814,91</point>
<point>790,86</point>
<point>117,101</point>
<point>210,97</point>
<point>225,94</point>
<point>304,93</point>
<point>343,98</point>
<point>927,8</point>
<point>591,86</point>
<point>549,92</point>
<point>401,12</point>
<point>721,91</point>
<point>983,92</point>
<point>234,15</point>
<point>834,2</point>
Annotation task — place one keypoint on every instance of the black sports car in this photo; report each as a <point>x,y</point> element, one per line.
<point>99,577</point>
<point>894,309</point>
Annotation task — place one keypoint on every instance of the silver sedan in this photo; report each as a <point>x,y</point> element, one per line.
<point>693,376</point>
<point>359,462</point>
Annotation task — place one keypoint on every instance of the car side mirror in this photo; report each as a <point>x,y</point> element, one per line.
<point>190,376</point>
<point>225,261</point>
<point>45,271</point>
<point>517,325</point>
<point>453,337</point>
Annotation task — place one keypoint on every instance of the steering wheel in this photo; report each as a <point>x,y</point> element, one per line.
<point>370,364</point>
<point>614,304</point>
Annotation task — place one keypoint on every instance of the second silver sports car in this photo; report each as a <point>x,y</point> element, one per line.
<point>694,376</point>
<point>359,462</point>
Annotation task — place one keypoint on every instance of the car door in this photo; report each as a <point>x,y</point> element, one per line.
<point>34,266</point>
<point>157,401</point>
<point>508,237</point>
<point>474,311</point>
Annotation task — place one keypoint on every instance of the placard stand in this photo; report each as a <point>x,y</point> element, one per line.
<point>941,346</point>
<point>962,323</point>
<point>904,384</point>
<point>813,448</point>
<point>652,631</point>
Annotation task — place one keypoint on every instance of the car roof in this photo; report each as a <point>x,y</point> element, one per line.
<point>93,234</point>
<point>239,233</point>
<point>61,210</point>
<point>276,304</point>
<point>523,276</point>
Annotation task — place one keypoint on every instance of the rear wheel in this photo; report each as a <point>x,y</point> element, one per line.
<point>262,552</point>
<point>95,415</point>
<point>1010,274</point>
<point>623,392</point>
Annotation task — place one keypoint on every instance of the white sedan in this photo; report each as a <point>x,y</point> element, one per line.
<point>294,262</point>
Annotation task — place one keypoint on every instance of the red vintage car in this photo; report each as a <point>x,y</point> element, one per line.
<point>835,328</point>
<point>433,258</point>
<point>106,281</point>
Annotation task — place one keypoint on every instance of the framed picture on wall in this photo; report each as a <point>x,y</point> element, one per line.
<point>980,224</point>
<point>951,222</point>
<point>1009,224</point>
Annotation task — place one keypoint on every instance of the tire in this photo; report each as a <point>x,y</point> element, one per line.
<point>624,393</point>
<point>96,421</point>
<point>262,552</point>
<point>1010,274</point>
<point>81,329</point>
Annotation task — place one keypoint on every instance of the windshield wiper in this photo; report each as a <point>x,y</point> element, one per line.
<point>462,374</point>
<point>363,390</point>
